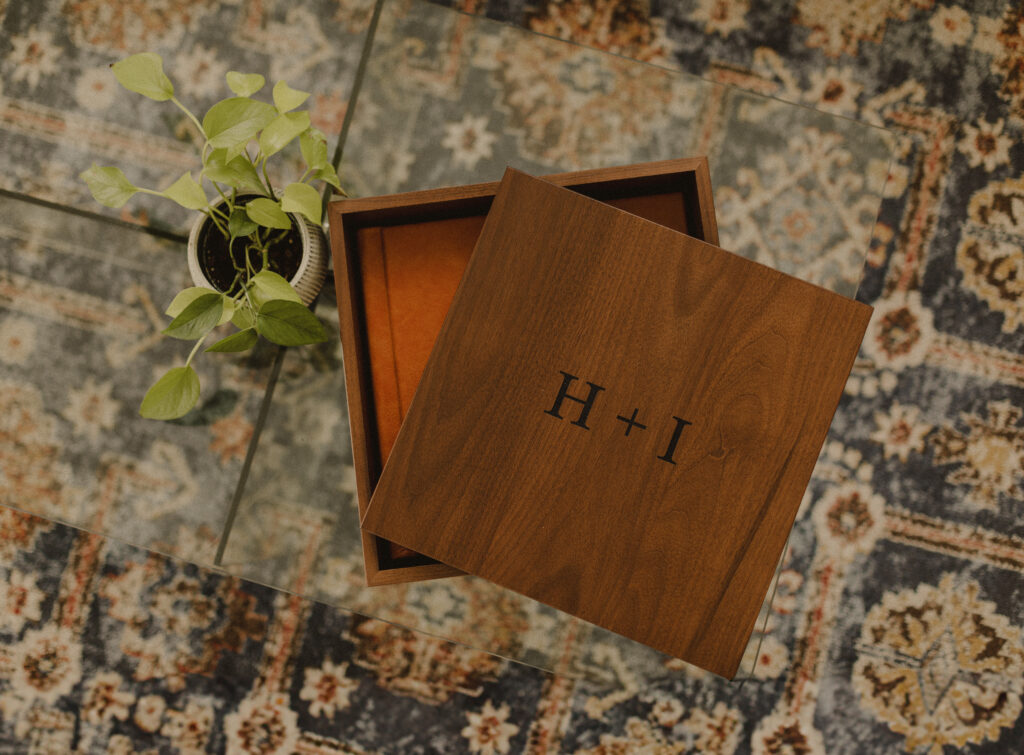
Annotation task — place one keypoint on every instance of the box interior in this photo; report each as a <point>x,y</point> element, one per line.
<point>408,263</point>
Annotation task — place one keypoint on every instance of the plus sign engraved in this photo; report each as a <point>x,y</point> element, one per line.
<point>631,421</point>
<point>587,405</point>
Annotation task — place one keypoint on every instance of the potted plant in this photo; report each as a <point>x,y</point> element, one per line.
<point>257,256</point>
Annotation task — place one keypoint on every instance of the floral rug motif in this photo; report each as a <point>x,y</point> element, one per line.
<point>898,625</point>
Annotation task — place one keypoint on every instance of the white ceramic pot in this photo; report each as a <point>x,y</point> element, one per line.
<point>308,279</point>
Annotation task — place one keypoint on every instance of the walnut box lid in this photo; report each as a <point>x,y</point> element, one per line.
<point>398,260</point>
<point>618,420</point>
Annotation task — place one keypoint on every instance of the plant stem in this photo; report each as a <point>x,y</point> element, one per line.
<point>228,202</point>
<point>252,307</point>
<point>208,212</point>
<point>223,215</point>
<point>188,112</point>
<point>266,180</point>
<point>239,270</point>
<point>248,264</point>
<point>195,349</point>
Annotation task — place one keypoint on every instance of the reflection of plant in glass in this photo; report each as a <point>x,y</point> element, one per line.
<point>246,210</point>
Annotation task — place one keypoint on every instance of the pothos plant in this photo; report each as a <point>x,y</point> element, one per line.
<point>238,136</point>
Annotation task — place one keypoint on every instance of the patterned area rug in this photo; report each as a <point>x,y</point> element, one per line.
<point>902,599</point>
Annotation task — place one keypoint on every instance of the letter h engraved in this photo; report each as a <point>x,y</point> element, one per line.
<point>563,394</point>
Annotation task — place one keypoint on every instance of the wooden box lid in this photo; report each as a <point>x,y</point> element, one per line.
<point>398,260</point>
<point>618,420</point>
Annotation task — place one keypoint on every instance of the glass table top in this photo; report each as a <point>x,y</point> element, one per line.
<point>266,491</point>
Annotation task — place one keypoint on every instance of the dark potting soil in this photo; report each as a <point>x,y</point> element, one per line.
<point>215,261</point>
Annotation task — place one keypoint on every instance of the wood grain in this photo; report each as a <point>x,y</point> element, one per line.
<point>674,552</point>
<point>676,193</point>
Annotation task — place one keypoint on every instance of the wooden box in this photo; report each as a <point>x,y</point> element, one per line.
<point>618,420</point>
<point>398,260</point>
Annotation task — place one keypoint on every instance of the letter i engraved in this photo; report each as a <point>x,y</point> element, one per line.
<point>563,394</point>
<point>670,451</point>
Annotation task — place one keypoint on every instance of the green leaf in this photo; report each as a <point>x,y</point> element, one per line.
<point>302,198</point>
<point>144,73</point>
<point>267,285</point>
<point>243,317</point>
<point>230,153</point>
<point>109,186</point>
<point>286,98</point>
<point>314,148</point>
<point>327,174</point>
<point>289,324</point>
<point>239,223</point>
<point>245,84</point>
<point>184,298</point>
<point>241,341</point>
<point>229,309</point>
<point>198,318</point>
<point>268,213</point>
<point>280,131</point>
<point>189,295</point>
<point>237,172</point>
<point>172,395</point>
<point>186,192</point>
<point>236,120</point>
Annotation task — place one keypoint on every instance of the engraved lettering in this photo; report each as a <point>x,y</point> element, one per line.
<point>631,421</point>
<point>563,394</point>
<point>670,451</point>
